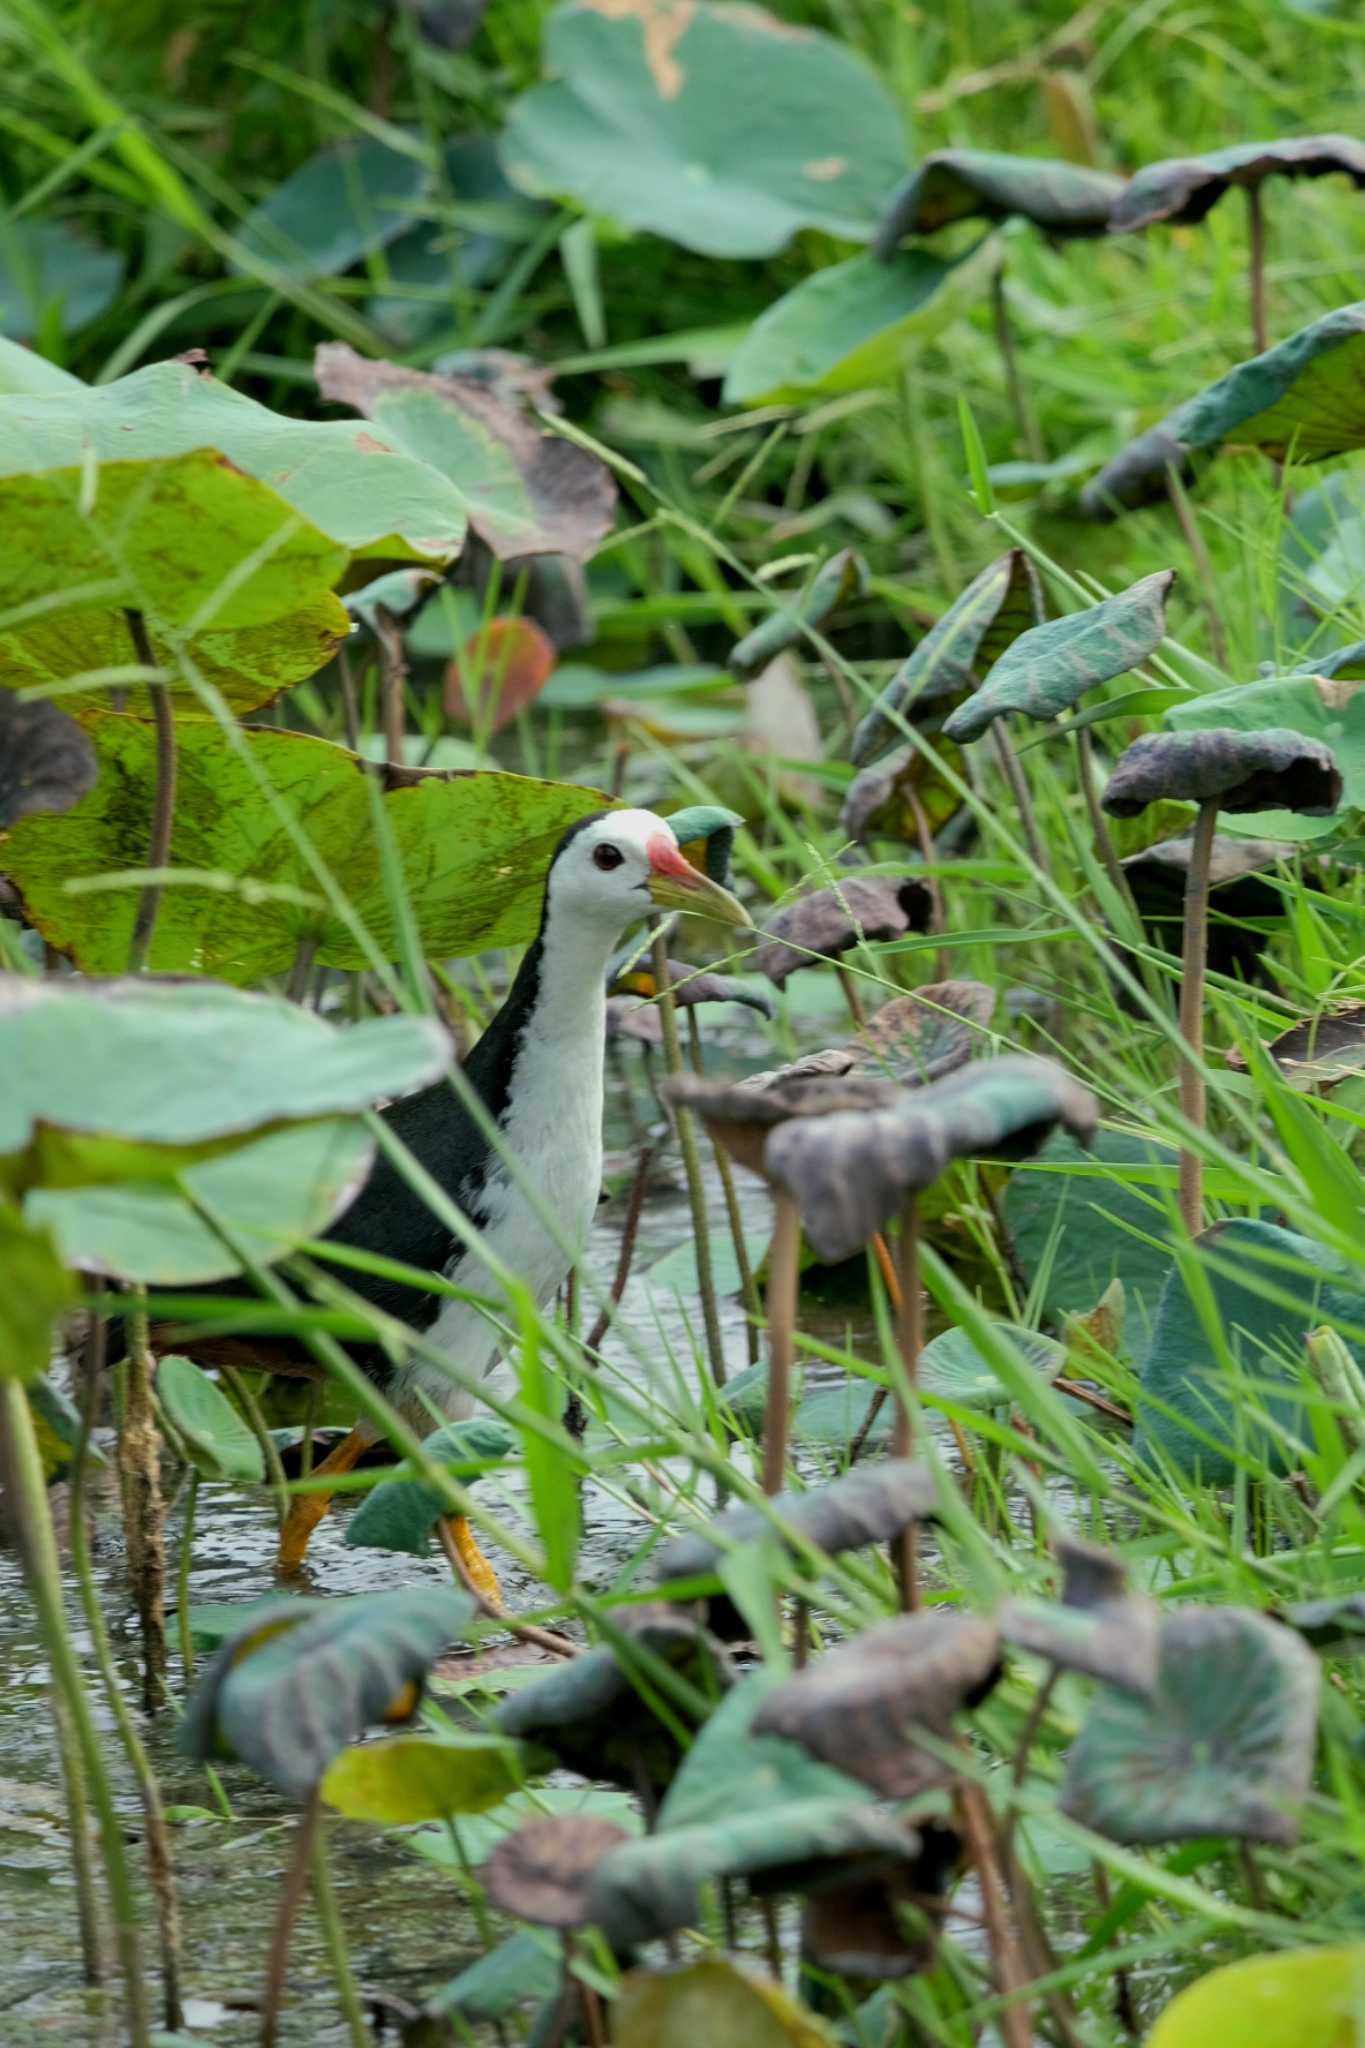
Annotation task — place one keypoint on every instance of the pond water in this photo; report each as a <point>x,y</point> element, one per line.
<point>408,1925</point>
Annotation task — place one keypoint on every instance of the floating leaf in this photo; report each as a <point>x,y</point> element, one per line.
<point>46,761</point>
<point>474,850</point>
<point>1209,1414</point>
<point>401,1513</point>
<point>952,1367</point>
<point>423,1777</point>
<point>1301,398</point>
<point>291,1692</point>
<point>1270,769</point>
<point>982,184</point>
<point>503,668</point>
<point>138,1079</point>
<point>931,1032</point>
<point>649,1887</point>
<point>1050,668</point>
<point>361,492</point>
<point>35,1288</point>
<point>52,278</point>
<point>597,1720</point>
<point>729,1769</point>
<point>217,1438</point>
<point>1074,1231</point>
<point>223,568</point>
<point>852,325</point>
<point>1182,189</point>
<point>859,1706</point>
<point>345,202</point>
<point>1320,1052</point>
<point>830,921</point>
<point>871,1504</point>
<point>1326,711</point>
<point>838,579</point>
<point>651,119</point>
<point>850,1172</point>
<point>1002,602</point>
<point>716,2001</point>
<point>542,1871</point>
<point>524,491</point>
<point>1224,1746</point>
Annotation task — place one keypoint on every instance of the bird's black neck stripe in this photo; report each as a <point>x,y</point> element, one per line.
<point>492,1063</point>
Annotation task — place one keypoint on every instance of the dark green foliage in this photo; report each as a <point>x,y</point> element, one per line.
<point>401,1513</point>
<point>1085,1228</point>
<point>839,579</point>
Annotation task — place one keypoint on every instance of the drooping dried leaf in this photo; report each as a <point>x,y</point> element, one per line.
<point>1327,709</point>
<point>999,604</point>
<point>541,1871</point>
<point>970,184</point>
<point>1319,1052</point>
<point>527,492</point>
<point>1182,189</point>
<point>46,761</point>
<point>594,1717</point>
<point>830,921</point>
<point>1050,668</point>
<point>1157,879</point>
<point>1303,396</point>
<point>740,1115</point>
<point>1224,1747</point>
<point>1099,1627</point>
<point>1245,771</point>
<point>851,1172</point>
<point>870,1504</point>
<point>500,671</point>
<point>903,796</point>
<point>859,1706</point>
<point>858,1929</point>
<point>692,985</point>
<point>931,1032</point>
<point>838,579</point>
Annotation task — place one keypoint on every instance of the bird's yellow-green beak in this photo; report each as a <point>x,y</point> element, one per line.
<point>674,884</point>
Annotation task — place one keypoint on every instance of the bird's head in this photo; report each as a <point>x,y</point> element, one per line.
<point>617,866</point>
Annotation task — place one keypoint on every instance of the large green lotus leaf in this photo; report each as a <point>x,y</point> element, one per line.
<point>474,850</point>
<point>646,1888</point>
<point>1224,1746</point>
<point>50,275</point>
<point>35,1288</point>
<point>430,258</point>
<point>217,562</point>
<point>1318,707</point>
<point>423,1777</point>
<point>401,1512</point>
<point>525,492</point>
<point>720,127</point>
<point>350,199</point>
<point>218,1440</point>
<point>1181,189</point>
<point>137,1079</point>
<point>1182,1370</point>
<point>24,371</point>
<point>291,1691</point>
<point>995,608</point>
<point>271,1194</point>
<point>974,184</point>
<point>853,324</point>
<point>1305,396</point>
<point>1050,668</point>
<point>729,1769</point>
<point>1322,567</point>
<point>351,483</point>
<point>1312,1997</point>
<point>1085,1229</point>
<point>952,1366</point>
<point>713,2000</point>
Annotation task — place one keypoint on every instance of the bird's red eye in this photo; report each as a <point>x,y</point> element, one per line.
<point>607,856</point>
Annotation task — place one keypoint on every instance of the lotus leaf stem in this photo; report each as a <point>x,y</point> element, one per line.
<point>691,1158</point>
<point>144,1514</point>
<point>1004,339</point>
<point>630,1231</point>
<point>286,1913</point>
<point>1260,334</point>
<point>784,1267</point>
<point>975,1826</point>
<point>338,1954</point>
<point>163,797</point>
<point>748,1286</point>
<point>1017,783</point>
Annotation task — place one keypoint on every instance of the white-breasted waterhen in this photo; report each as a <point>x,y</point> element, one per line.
<point>537,1069</point>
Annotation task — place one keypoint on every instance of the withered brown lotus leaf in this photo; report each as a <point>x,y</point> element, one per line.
<point>1242,771</point>
<point>931,1032</point>
<point>830,921</point>
<point>870,1504</point>
<point>540,1872</point>
<point>1182,189</point>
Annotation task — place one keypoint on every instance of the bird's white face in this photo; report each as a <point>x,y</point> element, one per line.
<point>624,864</point>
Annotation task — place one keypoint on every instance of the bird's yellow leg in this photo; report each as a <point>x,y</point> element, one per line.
<point>461,1546</point>
<point>306,1510</point>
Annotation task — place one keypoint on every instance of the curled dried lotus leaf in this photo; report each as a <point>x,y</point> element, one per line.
<point>541,1872</point>
<point>929,1033</point>
<point>828,922</point>
<point>1240,771</point>
<point>870,1504</point>
<point>1182,189</point>
<point>1063,199</point>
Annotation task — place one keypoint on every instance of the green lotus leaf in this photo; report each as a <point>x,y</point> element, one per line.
<point>423,1777</point>
<point>53,277</point>
<point>46,761</point>
<point>341,204</point>
<point>1223,1747</point>
<point>35,1288</point>
<point>715,1999</point>
<point>401,1513</point>
<point>1077,1220</point>
<point>1047,670</point>
<point>217,1438</point>
<point>720,127</point>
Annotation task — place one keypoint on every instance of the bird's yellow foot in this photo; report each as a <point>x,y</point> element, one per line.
<point>306,1510</point>
<point>472,1565</point>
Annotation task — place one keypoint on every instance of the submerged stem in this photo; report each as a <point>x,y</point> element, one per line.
<point>1193,959</point>
<point>784,1263</point>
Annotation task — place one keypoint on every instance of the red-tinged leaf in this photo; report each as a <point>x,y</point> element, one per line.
<point>501,670</point>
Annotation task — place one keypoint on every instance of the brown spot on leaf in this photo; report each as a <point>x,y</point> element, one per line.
<point>663,23</point>
<point>824,168</point>
<point>369,446</point>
